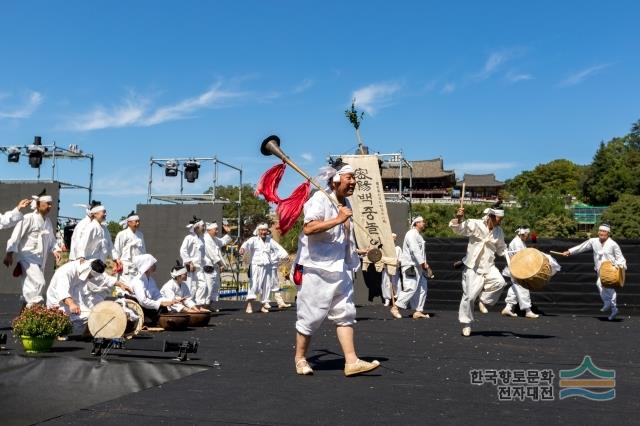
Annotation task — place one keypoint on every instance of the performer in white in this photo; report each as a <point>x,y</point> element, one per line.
<point>176,288</point>
<point>12,217</point>
<point>192,253</point>
<point>604,248</point>
<point>31,241</point>
<point>129,243</point>
<point>146,291</point>
<point>264,255</point>
<point>517,293</point>
<point>95,240</point>
<point>327,253</point>
<point>414,272</point>
<point>390,282</point>
<point>480,277</point>
<point>80,227</point>
<point>214,260</point>
<point>276,290</point>
<point>77,286</point>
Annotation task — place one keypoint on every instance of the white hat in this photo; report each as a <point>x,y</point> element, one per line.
<point>144,262</point>
<point>212,225</point>
<point>416,220</point>
<point>605,227</point>
<point>522,230</point>
<point>262,226</point>
<point>345,169</point>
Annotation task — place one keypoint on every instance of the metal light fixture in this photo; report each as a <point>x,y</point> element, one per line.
<point>171,168</point>
<point>13,154</point>
<point>191,170</point>
<point>36,152</point>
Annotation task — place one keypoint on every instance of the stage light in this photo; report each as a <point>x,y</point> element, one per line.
<point>36,152</point>
<point>13,154</point>
<point>171,168</point>
<point>191,169</point>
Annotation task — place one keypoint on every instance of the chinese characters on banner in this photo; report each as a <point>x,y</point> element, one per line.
<point>370,210</point>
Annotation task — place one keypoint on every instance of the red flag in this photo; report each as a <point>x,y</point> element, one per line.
<point>289,208</point>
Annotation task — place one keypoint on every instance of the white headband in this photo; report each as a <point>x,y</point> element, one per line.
<point>176,274</point>
<point>606,228</point>
<point>123,223</point>
<point>262,226</point>
<point>496,212</point>
<point>97,209</point>
<point>522,231</point>
<point>416,220</point>
<point>346,169</point>
<point>195,225</point>
<point>211,226</point>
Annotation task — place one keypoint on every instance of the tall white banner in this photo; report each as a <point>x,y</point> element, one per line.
<point>370,211</point>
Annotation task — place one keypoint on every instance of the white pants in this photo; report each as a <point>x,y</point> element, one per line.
<point>213,284</point>
<point>33,283</point>
<point>414,291</point>
<point>324,295</point>
<point>488,286</point>
<point>261,276</point>
<point>275,281</point>
<point>608,295</point>
<point>389,282</point>
<point>518,294</point>
<point>197,283</point>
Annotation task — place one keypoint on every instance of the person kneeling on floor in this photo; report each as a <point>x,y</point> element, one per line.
<point>176,288</point>
<point>146,291</point>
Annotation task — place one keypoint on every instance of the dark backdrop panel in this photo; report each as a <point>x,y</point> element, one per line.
<point>164,228</point>
<point>367,286</point>
<point>10,194</point>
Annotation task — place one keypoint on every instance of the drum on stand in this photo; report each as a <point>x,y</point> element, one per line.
<point>109,320</point>
<point>531,268</point>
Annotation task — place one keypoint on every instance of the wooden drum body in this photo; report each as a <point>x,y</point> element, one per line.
<point>611,276</point>
<point>108,320</point>
<point>531,268</point>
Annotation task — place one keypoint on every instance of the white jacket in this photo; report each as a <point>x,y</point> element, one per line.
<point>77,236</point>
<point>127,246</point>
<point>413,250</point>
<point>267,252</point>
<point>95,242</point>
<point>484,244</point>
<point>212,249</point>
<point>32,239</point>
<point>10,218</point>
<point>610,251</point>
<point>172,290</point>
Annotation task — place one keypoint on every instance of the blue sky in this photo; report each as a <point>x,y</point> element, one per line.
<point>488,86</point>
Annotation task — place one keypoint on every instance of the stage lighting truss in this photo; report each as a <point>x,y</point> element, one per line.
<point>191,170</point>
<point>171,168</point>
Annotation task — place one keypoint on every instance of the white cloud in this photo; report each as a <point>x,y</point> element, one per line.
<point>30,105</point>
<point>307,157</point>
<point>582,75</point>
<point>492,64</point>
<point>375,96</point>
<point>515,77</point>
<point>303,86</point>
<point>137,111</point>
<point>448,88</point>
<point>481,167</point>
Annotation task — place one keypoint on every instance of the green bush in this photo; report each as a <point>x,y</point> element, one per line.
<point>38,321</point>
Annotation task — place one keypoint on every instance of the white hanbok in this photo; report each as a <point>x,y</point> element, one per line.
<point>31,241</point>
<point>516,293</point>
<point>87,288</point>
<point>173,290</point>
<point>328,259</point>
<point>264,255</point>
<point>146,292</point>
<point>610,251</point>
<point>414,282</point>
<point>10,218</point>
<point>94,242</point>
<point>127,245</point>
<point>192,251</point>
<point>214,258</point>
<point>76,236</point>
<point>480,277</point>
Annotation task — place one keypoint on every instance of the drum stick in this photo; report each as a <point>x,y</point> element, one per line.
<point>464,185</point>
<point>557,253</point>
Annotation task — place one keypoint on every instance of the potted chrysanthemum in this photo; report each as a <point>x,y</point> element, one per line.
<point>38,326</point>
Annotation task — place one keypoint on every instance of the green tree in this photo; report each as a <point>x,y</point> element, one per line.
<point>253,210</point>
<point>623,216</point>
<point>114,228</point>
<point>563,176</point>
<point>613,172</point>
<point>556,226</point>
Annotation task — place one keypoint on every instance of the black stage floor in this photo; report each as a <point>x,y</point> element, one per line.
<point>243,373</point>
